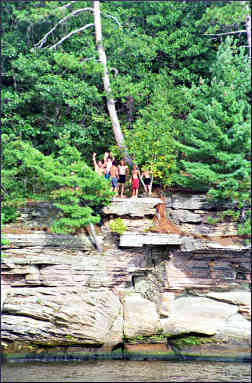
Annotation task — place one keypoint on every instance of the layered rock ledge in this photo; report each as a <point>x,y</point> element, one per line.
<point>58,291</point>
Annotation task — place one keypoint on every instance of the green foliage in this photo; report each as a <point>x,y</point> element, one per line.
<point>233,214</point>
<point>216,140</point>
<point>244,229</point>
<point>224,17</point>
<point>182,100</point>
<point>191,340</point>
<point>47,93</point>
<point>212,221</point>
<point>151,141</point>
<point>9,214</point>
<point>4,241</point>
<point>65,179</point>
<point>118,226</point>
<point>158,337</point>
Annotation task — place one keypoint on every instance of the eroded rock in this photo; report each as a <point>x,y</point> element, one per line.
<point>58,315</point>
<point>197,314</point>
<point>140,316</point>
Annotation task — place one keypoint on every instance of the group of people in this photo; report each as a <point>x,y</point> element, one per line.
<point>117,174</point>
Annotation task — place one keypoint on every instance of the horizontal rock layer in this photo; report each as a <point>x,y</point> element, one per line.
<point>58,290</point>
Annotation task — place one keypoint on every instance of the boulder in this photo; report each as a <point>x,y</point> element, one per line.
<point>240,298</point>
<point>58,315</point>
<point>236,326</point>
<point>140,316</point>
<point>166,305</point>
<point>197,314</point>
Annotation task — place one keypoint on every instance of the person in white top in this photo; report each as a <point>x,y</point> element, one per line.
<point>123,171</point>
<point>108,160</point>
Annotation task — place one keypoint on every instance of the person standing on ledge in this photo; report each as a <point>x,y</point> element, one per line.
<point>114,177</point>
<point>135,181</point>
<point>99,167</point>
<point>108,159</point>
<point>123,171</point>
<point>147,181</point>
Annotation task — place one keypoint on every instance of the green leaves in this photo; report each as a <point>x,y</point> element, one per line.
<point>65,179</point>
<point>216,135</point>
<point>151,141</point>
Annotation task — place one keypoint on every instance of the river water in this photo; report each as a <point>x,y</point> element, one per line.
<point>126,371</point>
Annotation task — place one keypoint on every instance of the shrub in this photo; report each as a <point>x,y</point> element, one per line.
<point>118,226</point>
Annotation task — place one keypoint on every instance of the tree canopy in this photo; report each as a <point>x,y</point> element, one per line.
<point>179,74</point>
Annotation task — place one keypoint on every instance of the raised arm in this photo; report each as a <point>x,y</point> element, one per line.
<point>94,160</point>
<point>106,155</point>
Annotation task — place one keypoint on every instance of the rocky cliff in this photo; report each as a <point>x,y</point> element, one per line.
<point>146,286</point>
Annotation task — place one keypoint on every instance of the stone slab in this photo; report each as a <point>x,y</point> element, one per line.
<point>134,207</point>
<point>135,239</point>
<point>42,239</point>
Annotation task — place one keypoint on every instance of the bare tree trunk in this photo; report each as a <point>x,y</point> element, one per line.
<point>151,183</point>
<point>106,83</point>
<point>141,179</point>
<point>94,237</point>
<point>248,29</point>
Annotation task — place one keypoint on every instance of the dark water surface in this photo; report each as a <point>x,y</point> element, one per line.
<point>126,371</point>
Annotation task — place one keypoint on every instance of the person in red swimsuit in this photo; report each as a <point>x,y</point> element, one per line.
<point>135,181</point>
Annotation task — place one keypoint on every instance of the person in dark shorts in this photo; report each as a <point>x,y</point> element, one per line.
<point>147,181</point>
<point>123,171</point>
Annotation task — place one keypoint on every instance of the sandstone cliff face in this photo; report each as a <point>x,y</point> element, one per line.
<point>58,290</point>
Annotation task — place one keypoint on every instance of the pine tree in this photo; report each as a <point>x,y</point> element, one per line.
<point>215,141</point>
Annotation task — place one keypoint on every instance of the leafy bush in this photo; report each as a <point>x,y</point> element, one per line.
<point>118,226</point>
<point>4,241</point>
<point>65,179</point>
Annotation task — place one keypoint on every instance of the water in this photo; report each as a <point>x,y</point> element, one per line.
<point>126,371</point>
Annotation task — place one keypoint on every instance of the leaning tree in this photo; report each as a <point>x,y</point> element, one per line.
<point>110,101</point>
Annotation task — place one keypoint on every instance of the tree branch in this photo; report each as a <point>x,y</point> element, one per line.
<point>112,17</point>
<point>70,34</point>
<point>87,59</point>
<point>113,69</point>
<point>67,5</point>
<point>222,34</point>
<point>74,13</point>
